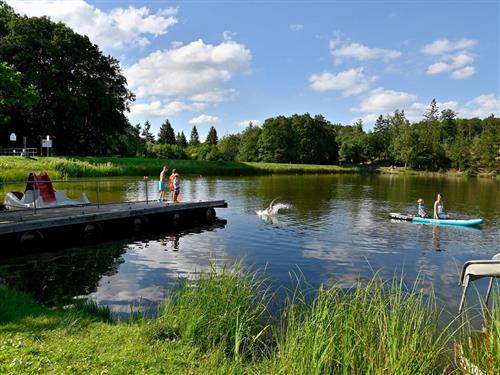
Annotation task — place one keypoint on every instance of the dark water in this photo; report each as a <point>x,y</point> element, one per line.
<point>336,231</point>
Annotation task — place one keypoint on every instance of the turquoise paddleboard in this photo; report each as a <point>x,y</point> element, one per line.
<point>424,220</point>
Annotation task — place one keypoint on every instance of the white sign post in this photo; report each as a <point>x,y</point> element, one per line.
<point>13,137</point>
<point>47,143</point>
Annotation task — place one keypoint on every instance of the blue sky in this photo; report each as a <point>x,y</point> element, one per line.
<point>225,63</point>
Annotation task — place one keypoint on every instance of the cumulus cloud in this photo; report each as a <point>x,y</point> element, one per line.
<point>454,57</point>
<point>350,82</point>
<point>113,29</point>
<point>245,123</point>
<point>444,46</point>
<point>481,106</point>
<point>382,102</point>
<point>463,73</point>
<point>163,109</point>
<point>342,50</point>
<point>228,35</point>
<point>192,69</point>
<point>204,119</point>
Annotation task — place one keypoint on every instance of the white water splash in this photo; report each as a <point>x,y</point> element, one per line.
<point>274,209</point>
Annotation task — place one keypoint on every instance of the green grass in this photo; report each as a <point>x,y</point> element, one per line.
<point>15,168</point>
<point>220,324</point>
<point>482,348</point>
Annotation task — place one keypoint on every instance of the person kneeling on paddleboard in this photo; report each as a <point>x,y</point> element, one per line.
<point>439,212</point>
<point>422,208</point>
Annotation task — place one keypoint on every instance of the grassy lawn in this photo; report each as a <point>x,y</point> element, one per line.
<point>221,324</point>
<point>16,168</point>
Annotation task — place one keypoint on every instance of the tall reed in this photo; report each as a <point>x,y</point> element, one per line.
<point>374,328</point>
<point>223,309</point>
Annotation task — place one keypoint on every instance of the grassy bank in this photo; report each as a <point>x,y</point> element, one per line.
<point>15,168</point>
<point>221,323</point>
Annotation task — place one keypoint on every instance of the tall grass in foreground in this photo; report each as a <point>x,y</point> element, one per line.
<point>374,328</point>
<point>482,349</point>
<point>222,310</point>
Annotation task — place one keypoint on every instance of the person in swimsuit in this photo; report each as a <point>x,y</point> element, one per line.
<point>439,212</point>
<point>162,183</point>
<point>171,180</point>
<point>177,186</point>
<point>422,208</point>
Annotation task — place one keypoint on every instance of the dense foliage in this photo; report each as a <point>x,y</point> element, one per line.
<point>82,93</point>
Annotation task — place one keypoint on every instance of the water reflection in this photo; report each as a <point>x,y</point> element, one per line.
<point>337,231</point>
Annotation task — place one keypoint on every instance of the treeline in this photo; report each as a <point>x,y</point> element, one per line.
<point>439,141</point>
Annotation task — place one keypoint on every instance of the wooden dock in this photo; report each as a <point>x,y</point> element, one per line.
<point>29,229</point>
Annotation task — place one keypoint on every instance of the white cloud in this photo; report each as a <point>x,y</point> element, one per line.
<point>112,29</point>
<point>204,119</point>
<point>215,96</point>
<point>454,57</point>
<point>176,44</point>
<point>359,51</point>
<point>162,109</point>
<point>457,61</point>
<point>350,82</point>
<point>444,46</point>
<point>464,72</point>
<point>381,100</point>
<point>192,69</point>
<point>481,106</point>
<point>245,123</point>
<point>296,27</point>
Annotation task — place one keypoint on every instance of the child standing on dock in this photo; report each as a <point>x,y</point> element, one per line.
<point>177,186</point>
<point>163,183</point>
<point>171,181</point>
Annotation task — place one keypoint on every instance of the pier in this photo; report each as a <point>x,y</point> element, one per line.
<point>24,231</point>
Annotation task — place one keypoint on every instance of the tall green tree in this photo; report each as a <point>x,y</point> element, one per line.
<point>166,134</point>
<point>146,133</point>
<point>229,146</point>
<point>248,148</point>
<point>82,92</point>
<point>212,138</point>
<point>181,140</point>
<point>194,139</point>
<point>277,142</point>
<point>13,94</point>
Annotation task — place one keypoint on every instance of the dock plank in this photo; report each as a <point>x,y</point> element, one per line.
<point>25,220</point>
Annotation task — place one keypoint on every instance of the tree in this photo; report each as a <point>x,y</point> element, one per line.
<point>166,134</point>
<point>194,139</point>
<point>12,92</point>
<point>181,140</point>
<point>277,141</point>
<point>248,148</point>
<point>212,138</point>
<point>146,133</point>
<point>229,146</point>
<point>432,113</point>
<point>82,92</point>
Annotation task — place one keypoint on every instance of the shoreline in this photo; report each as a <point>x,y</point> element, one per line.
<point>16,168</point>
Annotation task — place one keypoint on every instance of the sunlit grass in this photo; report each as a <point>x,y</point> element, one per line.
<point>220,323</point>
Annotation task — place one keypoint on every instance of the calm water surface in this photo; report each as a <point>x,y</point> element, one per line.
<point>336,231</point>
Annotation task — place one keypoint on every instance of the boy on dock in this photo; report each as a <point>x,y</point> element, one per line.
<point>163,183</point>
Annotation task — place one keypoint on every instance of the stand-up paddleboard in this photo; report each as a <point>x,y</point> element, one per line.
<point>425,220</point>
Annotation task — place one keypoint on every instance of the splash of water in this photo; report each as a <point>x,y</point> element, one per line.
<point>274,209</point>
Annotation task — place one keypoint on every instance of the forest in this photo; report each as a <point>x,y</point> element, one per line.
<point>55,81</point>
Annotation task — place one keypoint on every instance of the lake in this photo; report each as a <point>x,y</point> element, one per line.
<point>336,231</point>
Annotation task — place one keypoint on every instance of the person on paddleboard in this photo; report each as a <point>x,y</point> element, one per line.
<point>422,208</point>
<point>439,212</point>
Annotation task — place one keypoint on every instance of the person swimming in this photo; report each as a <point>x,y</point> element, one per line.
<point>439,212</point>
<point>422,208</point>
